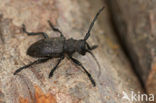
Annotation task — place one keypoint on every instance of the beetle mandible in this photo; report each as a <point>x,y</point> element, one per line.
<point>57,47</point>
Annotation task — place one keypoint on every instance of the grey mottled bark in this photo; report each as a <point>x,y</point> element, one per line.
<point>69,84</point>
<point>135,22</point>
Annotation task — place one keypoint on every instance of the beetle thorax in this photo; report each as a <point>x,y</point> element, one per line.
<point>72,46</point>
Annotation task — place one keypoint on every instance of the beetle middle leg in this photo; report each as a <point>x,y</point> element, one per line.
<point>52,71</point>
<point>32,33</point>
<point>28,65</point>
<point>88,74</point>
<point>55,29</point>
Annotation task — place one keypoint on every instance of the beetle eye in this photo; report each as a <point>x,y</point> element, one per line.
<point>83,47</point>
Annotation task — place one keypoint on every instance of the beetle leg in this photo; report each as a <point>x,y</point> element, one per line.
<point>52,71</point>
<point>55,29</point>
<point>28,65</point>
<point>88,74</point>
<point>32,33</point>
<point>91,47</point>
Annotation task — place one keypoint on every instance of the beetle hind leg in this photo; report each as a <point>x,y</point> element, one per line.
<point>28,65</point>
<point>32,33</point>
<point>55,29</point>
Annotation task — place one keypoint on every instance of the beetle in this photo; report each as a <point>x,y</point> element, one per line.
<point>48,48</point>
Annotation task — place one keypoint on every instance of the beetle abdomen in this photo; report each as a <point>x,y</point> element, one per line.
<point>50,47</point>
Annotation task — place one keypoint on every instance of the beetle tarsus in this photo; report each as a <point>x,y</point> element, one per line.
<point>52,71</point>
<point>55,29</point>
<point>32,33</point>
<point>88,74</point>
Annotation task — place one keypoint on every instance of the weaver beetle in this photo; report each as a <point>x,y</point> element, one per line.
<point>57,47</point>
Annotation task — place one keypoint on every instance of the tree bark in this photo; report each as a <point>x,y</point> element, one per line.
<point>69,83</point>
<point>135,22</point>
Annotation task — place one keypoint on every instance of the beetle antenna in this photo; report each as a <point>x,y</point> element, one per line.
<point>96,62</point>
<point>92,24</point>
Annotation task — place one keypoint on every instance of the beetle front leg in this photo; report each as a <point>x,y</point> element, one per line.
<point>52,71</point>
<point>91,47</point>
<point>88,74</point>
<point>55,29</point>
<point>32,33</point>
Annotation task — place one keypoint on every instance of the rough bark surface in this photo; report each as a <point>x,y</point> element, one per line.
<point>136,23</point>
<point>69,83</point>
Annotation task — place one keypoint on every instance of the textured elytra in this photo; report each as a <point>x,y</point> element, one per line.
<point>52,47</point>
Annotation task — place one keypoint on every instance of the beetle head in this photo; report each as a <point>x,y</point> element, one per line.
<point>84,47</point>
<point>81,48</point>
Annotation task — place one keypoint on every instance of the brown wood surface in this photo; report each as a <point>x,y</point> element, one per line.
<point>69,83</point>
<point>135,21</point>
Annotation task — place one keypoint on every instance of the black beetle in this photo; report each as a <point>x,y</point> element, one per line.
<point>57,47</point>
